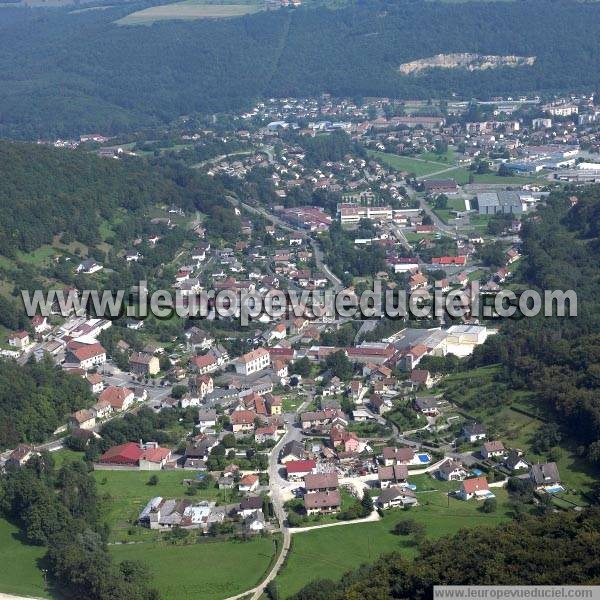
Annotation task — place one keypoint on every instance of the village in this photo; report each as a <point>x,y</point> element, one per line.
<point>304,422</point>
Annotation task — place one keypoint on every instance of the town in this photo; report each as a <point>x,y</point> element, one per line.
<point>302,423</point>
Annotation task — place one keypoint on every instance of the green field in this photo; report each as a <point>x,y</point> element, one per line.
<point>211,571</point>
<point>124,493</point>
<point>20,572</point>
<point>328,553</point>
<point>188,10</point>
<point>411,165</point>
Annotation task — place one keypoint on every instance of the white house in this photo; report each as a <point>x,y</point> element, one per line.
<point>252,362</point>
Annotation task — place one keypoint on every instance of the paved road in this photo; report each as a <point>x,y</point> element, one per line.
<point>318,254</point>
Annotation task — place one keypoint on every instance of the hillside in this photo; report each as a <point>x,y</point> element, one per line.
<point>67,72</point>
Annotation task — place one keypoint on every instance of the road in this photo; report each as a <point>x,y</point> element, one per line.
<point>276,484</point>
<point>318,254</point>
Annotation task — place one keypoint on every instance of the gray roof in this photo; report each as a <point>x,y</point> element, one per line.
<point>392,493</point>
<point>545,474</point>
<point>487,199</point>
<point>293,448</point>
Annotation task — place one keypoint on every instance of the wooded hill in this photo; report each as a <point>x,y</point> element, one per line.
<point>66,72</point>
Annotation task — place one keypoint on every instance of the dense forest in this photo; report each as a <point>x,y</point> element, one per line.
<point>68,72</point>
<point>35,399</point>
<point>46,192</point>
<point>555,549</point>
<point>559,358</point>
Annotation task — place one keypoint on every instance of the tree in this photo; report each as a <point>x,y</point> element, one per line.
<point>153,480</point>
<point>301,367</point>
<point>340,365</point>
<point>366,504</point>
<point>272,590</point>
<point>490,505</point>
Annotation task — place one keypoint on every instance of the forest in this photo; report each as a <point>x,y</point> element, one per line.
<point>65,72</point>
<point>558,358</point>
<point>35,399</point>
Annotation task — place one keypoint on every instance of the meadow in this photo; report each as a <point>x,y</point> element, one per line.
<point>329,552</point>
<point>207,570</point>
<point>20,573</point>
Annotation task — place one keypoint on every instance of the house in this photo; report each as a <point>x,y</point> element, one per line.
<point>255,523</point>
<point>477,486</point>
<point>146,457</point>
<point>82,419</point>
<point>143,364</point>
<point>205,364</point>
<point>253,361</point>
<point>396,497</point>
<point>515,462</point>
<point>321,482</point>
<point>322,502</point>
<point>473,432</point>
<point>95,382</point>
<point>427,405</point>
<point>298,469</point>
<point>263,434</point>
<point>347,441</point>
<point>492,449</point>
<point>119,398</point>
<point>85,356</point>
<point>379,404</point>
<point>452,470</point>
<point>88,267</point>
<point>20,455</point>
<point>102,409</point>
<point>544,475</point>
<point>201,385</point>
<point>207,419</point>
<point>395,474</point>
<point>292,451</point>
<point>422,377</point>
<point>242,421</point>
<point>40,324</point>
<point>273,403</point>
<point>164,514</point>
<point>198,339</point>
<point>248,483</point>
<point>19,340</point>
<point>398,456</point>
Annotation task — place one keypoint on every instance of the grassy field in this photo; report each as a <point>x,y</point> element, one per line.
<point>411,165</point>
<point>188,10</point>
<point>20,573</point>
<point>210,571</point>
<point>125,493</point>
<point>328,553</point>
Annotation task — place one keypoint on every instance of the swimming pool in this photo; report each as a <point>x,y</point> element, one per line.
<point>477,472</point>
<point>424,458</point>
<point>555,489</point>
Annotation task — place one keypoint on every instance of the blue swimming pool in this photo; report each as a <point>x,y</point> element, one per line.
<point>555,489</point>
<point>424,458</point>
<point>477,472</point>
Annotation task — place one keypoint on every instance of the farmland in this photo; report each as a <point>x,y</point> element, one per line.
<point>188,10</point>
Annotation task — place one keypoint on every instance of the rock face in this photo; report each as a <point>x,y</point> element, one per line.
<point>464,60</point>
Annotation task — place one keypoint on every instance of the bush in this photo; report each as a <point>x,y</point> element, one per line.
<point>490,505</point>
<point>153,480</point>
